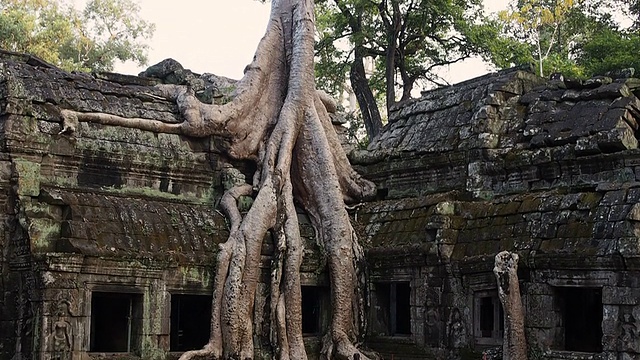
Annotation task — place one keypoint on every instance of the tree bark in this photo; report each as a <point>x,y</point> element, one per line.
<point>393,25</point>
<point>506,271</point>
<point>278,120</point>
<point>366,101</point>
<point>358,78</point>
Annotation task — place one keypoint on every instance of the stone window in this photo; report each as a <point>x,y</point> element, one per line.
<point>315,310</point>
<point>488,318</point>
<point>580,314</point>
<point>116,320</point>
<point>190,321</point>
<point>392,306</point>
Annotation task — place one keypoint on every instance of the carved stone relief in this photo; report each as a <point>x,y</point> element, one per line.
<point>629,333</point>
<point>61,334</point>
<point>457,333</point>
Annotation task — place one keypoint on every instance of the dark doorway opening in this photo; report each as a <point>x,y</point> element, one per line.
<point>314,309</point>
<point>582,318</point>
<point>489,315</point>
<point>115,322</point>
<point>487,320</point>
<point>190,321</point>
<point>402,308</point>
<point>393,304</point>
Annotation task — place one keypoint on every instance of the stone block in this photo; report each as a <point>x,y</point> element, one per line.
<point>634,212</point>
<point>543,338</point>
<point>628,279</point>
<point>537,288</point>
<point>610,315</point>
<point>628,356</point>
<point>574,230</point>
<point>620,295</point>
<point>540,228</point>
<point>617,139</point>
<point>633,195</point>
<point>629,246</point>
<point>540,311</point>
<point>28,175</point>
<point>5,171</point>
<point>552,245</point>
<point>609,342</point>
<point>619,212</point>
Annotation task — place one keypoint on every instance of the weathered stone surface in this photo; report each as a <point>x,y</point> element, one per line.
<point>550,171</point>
<point>558,186</point>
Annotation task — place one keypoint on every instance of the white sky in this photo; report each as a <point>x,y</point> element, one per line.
<point>220,36</point>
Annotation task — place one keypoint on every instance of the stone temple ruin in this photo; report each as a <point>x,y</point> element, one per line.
<point>109,234</point>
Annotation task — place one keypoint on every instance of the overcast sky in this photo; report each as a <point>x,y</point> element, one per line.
<point>220,36</point>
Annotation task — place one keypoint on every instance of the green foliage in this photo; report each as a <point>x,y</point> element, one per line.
<point>610,50</point>
<point>385,48</point>
<point>427,35</point>
<point>90,40</point>
<point>578,38</point>
<point>537,23</point>
<point>356,135</point>
<point>331,66</point>
<point>502,51</point>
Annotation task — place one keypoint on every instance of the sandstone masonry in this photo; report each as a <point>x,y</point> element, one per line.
<point>110,234</point>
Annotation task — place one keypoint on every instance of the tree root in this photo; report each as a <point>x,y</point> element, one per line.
<point>278,120</point>
<point>206,353</point>
<point>338,346</point>
<point>506,272</point>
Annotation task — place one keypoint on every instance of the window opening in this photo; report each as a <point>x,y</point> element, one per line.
<point>393,307</point>
<point>581,310</point>
<point>190,321</point>
<point>115,322</point>
<point>402,308</point>
<point>488,317</point>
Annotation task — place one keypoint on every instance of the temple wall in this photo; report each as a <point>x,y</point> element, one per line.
<point>109,220</point>
<point>509,162</point>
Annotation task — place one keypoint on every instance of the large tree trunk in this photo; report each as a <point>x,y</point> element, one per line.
<point>358,77</point>
<point>279,121</point>
<point>392,19</point>
<point>390,70</point>
<point>364,95</point>
<point>506,271</point>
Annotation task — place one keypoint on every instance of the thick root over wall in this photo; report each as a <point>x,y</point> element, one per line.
<point>278,120</point>
<point>514,345</point>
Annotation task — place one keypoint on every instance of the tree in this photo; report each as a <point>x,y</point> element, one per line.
<point>339,20</point>
<point>538,23</point>
<point>92,40</point>
<point>280,122</point>
<point>634,10</point>
<point>576,38</point>
<point>610,50</point>
<point>612,43</point>
<point>407,39</point>
<point>506,272</point>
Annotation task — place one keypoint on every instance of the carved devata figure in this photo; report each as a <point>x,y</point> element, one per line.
<point>278,120</point>
<point>61,337</point>
<point>629,336</point>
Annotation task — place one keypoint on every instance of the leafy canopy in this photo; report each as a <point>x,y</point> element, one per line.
<point>93,39</point>
<point>578,38</point>
<point>424,35</point>
<point>386,48</point>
